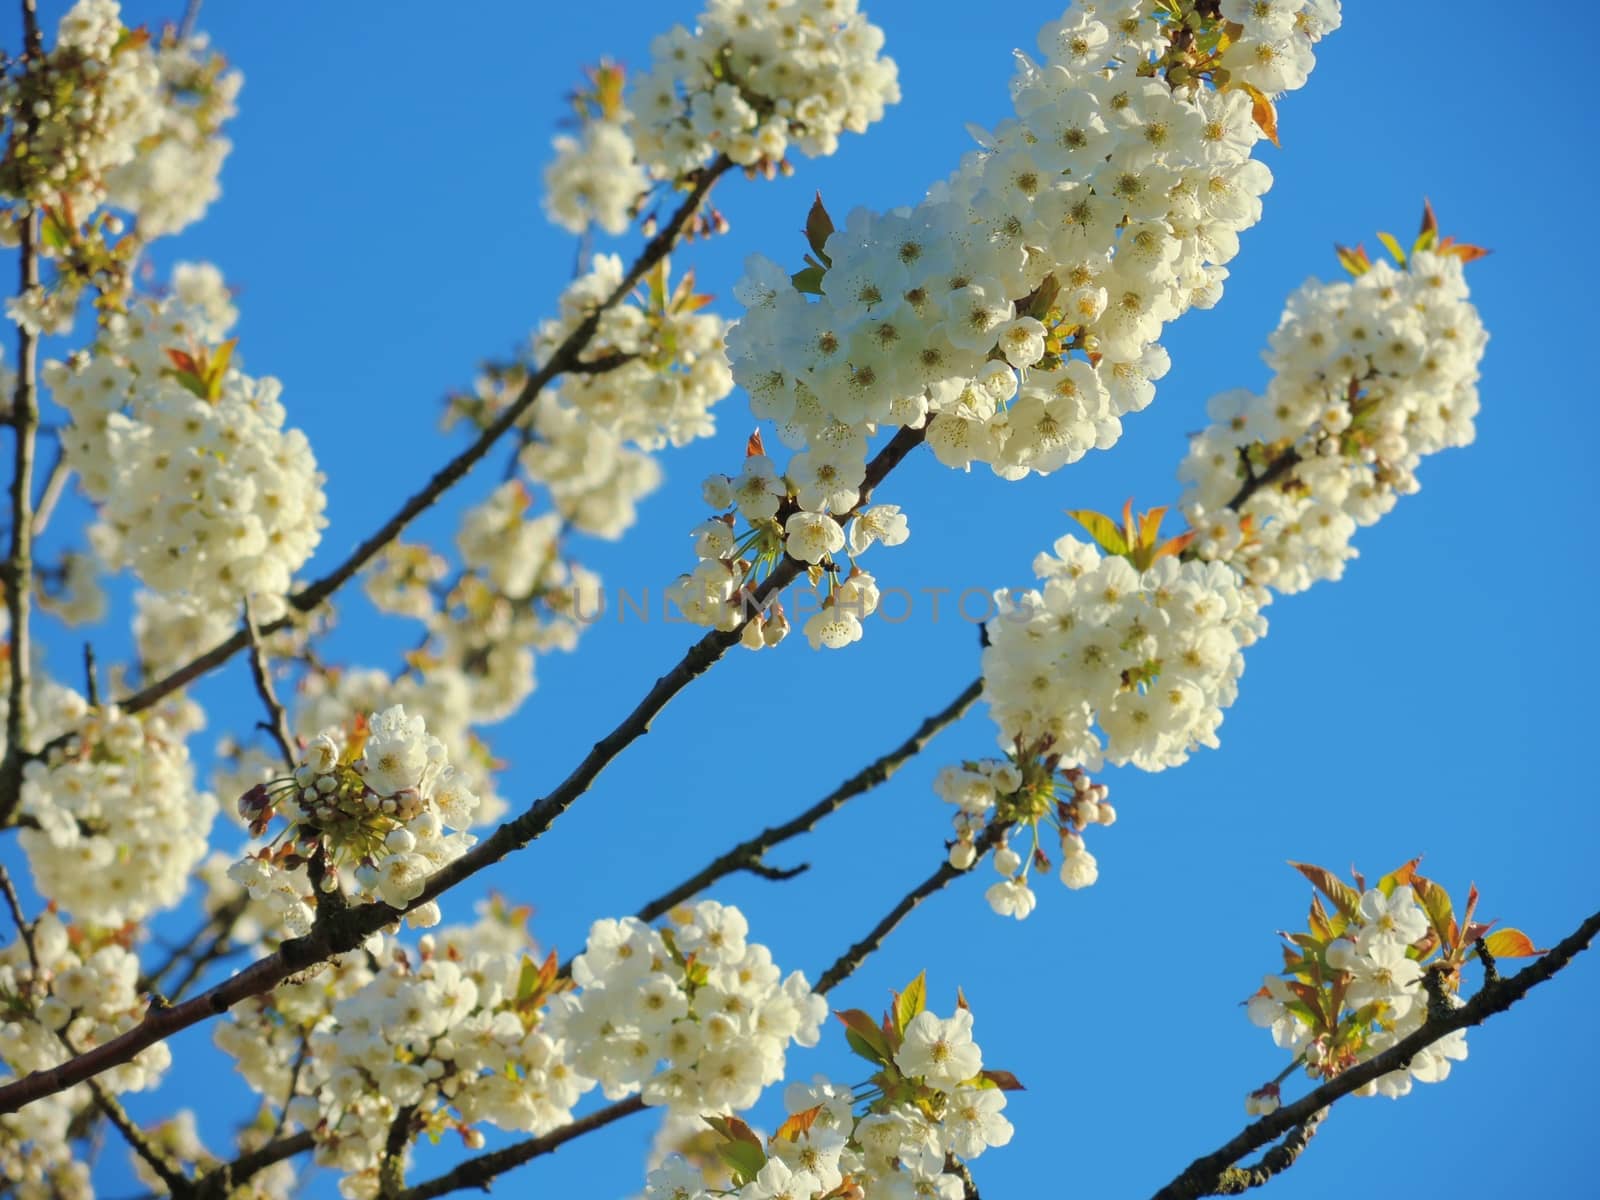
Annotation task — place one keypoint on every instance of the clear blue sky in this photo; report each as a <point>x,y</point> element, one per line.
<point>381,216</point>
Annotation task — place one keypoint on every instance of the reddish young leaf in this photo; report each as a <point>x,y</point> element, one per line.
<point>1345,898</point>
<point>797,1124</point>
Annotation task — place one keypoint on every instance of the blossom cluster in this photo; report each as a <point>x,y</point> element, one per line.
<point>1015,314</point>
<point>470,1028</point>
<point>381,802</point>
<point>172,180</point>
<point>1368,377</point>
<point>64,985</point>
<point>1108,663</point>
<point>753,79</point>
<point>929,1102</point>
<point>114,821</point>
<point>695,1017</point>
<point>88,106</point>
<point>595,177</point>
<point>1365,974</point>
<point>202,492</point>
<point>1146,642</point>
<point>110,116</point>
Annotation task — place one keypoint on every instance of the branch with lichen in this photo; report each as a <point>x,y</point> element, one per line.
<point>1205,1174</point>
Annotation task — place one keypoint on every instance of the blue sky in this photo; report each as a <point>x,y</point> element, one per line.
<point>381,218</point>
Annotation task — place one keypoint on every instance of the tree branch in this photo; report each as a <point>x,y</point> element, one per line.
<point>1276,470</point>
<point>277,724</point>
<point>748,855</point>
<point>221,1181</point>
<point>24,427</point>
<point>479,1172</point>
<point>1204,1174</point>
<point>851,960</point>
<point>1238,1180</point>
<point>337,932</point>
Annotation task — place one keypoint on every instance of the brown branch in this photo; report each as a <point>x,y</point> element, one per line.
<point>850,961</point>
<point>277,724</point>
<point>565,359</point>
<point>178,1184</point>
<point>338,932</point>
<point>1276,470</point>
<point>748,855</point>
<point>300,1057</point>
<point>479,1172</point>
<point>18,576</point>
<point>392,1168</point>
<point>1203,1175</point>
<point>1238,1180</point>
<point>969,1186</point>
<point>223,921</point>
<point>217,949</point>
<point>221,1181</point>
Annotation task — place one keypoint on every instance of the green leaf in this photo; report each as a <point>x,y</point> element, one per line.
<point>528,979</point>
<point>910,1002</point>
<point>1392,245</point>
<point>743,1159</point>
<point>1004,1080</point>
<point>1102,529</point>
<point>809,281</point>
<point>864,1036</point>
<point>1511,943</point>
<point>1345,898</point>
<point>1436,903</point>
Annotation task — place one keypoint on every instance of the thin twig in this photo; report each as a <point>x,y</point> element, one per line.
<point>300,1057</point>
<point>340,931</point>
<point>278,721</point>
<point>178,1184</point>
<point>219,947</point>
<point>748,855</point>
<point>24,422</point>
<point>91,676</point>
<point>1203,1174</point>
<point>223,918</point>
<point>848,962</point>
<point>24,929</point>
<point>1277,469</point>
<point>55,483</point>
<point>191,14</point>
